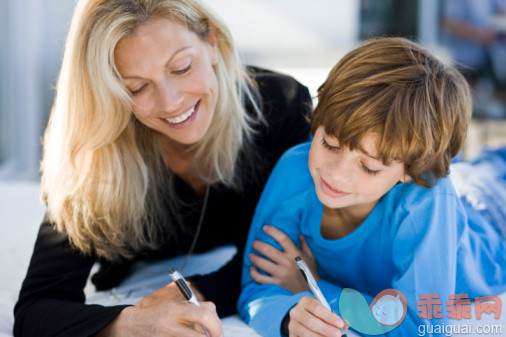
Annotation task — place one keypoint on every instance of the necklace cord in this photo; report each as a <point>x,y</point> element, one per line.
<point>197,232</point>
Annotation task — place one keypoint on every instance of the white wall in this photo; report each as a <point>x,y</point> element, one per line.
<point>291,33</point>
<point>31,42</point>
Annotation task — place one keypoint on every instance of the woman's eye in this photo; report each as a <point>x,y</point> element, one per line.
<point>138,91</point>
<point>369,171</point>
<point>182,71</point>
<point>328,146</point>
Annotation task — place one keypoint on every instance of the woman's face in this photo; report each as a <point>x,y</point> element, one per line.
<point>169,73</point>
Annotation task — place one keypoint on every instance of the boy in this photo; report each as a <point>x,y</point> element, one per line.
<point>370,200</point>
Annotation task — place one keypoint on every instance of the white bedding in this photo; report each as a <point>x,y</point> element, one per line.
<point>21,214</point>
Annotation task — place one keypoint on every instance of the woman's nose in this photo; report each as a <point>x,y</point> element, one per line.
<point>169,96</point>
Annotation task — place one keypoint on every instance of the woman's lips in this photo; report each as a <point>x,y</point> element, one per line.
<point>331,191</point>
<point>183,119</point>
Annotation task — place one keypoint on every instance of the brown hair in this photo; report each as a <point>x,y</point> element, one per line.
<point>419,107</point>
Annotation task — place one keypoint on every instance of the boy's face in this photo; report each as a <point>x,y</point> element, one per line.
<point>351,179</point>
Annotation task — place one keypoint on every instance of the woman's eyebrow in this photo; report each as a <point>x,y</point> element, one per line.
<point>177,52</point>
<point>132,77</point>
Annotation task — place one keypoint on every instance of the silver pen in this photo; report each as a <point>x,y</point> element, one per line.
<point>185,290</point>
<point>313,285</point>
<point>312,282</point>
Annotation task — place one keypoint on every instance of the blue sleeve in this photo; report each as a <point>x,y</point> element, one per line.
<point>425,238</point>
<point>263,307</point>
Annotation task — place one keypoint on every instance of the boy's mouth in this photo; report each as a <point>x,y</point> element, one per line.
<point>330,190</point>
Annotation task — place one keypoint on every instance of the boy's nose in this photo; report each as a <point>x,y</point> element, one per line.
<point>341,169</point>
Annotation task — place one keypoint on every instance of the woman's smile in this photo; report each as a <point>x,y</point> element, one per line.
<point>184,119</point>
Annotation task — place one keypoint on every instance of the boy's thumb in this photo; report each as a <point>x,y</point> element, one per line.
<point>304,246</point>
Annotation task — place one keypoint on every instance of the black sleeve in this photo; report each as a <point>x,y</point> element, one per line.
<point>286,105</point>
<point>51,300</point>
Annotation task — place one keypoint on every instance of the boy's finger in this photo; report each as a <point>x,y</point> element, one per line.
<point>268,251</point>
<point>301,328</point>
<point>260,278</point>
<point>304,246</point>
<point>318,310</point>
<point>282,239</point>
<point>263,264</point>
<point>321,327</point>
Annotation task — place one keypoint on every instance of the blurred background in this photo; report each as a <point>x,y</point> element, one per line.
<point>303,38</point>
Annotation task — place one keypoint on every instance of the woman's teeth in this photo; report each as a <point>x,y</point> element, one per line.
<point>181,118</point>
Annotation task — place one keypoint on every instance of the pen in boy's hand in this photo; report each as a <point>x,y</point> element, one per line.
<point>313,285</point>
<point>185,290</point>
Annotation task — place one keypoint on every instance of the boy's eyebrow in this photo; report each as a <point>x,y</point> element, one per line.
<point>367,153</point>
<point>372,157</point>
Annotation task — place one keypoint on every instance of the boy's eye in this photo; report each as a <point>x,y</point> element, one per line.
<point>328,146</point>
<point>183,70</point>
<point>369,171</point>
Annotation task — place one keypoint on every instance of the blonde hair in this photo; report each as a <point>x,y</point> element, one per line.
<point>101,166</point>
<point>419,107</point>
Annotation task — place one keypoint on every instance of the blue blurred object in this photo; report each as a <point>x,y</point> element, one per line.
<point>458,158</point>
<point>481,184</point>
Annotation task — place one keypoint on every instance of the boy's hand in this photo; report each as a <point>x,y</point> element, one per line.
<point>310,318</point>
<point>281,268</point>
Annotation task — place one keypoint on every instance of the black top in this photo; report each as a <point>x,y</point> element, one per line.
<point>51,301</point>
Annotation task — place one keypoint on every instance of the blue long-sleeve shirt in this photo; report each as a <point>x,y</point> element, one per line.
<point>416,240</point>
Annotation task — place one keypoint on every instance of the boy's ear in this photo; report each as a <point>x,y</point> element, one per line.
<point>405,178</point>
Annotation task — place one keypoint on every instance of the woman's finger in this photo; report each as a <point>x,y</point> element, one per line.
<point>260,278</point>
<point>283,239</point>
<point>188,330</point>
<point>215,330</point>
<point>204,315</point>
<point>264,264</point>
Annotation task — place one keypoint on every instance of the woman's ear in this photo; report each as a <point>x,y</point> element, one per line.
<point>212,39</point>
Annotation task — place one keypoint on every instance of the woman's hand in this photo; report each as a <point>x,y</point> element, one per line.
<point>310,318</point>
<point>168,293</point>
<point>281,268</point>
<point>166,313</point>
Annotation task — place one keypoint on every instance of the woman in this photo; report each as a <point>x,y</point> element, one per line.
<point>157,133</point>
